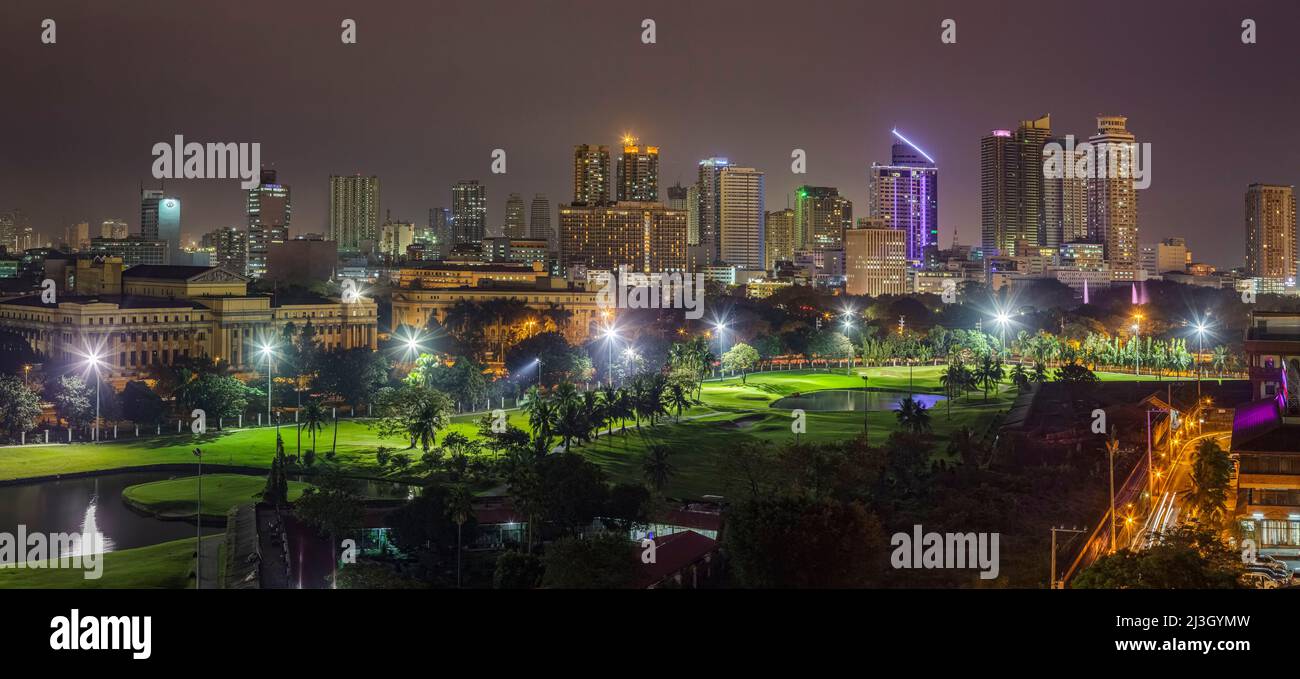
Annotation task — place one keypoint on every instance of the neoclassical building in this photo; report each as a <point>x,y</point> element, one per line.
<point>151,315</point>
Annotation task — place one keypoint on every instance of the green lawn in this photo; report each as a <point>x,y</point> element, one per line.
<point>169,565</point>
<point>357,442</point>
<point>175,498</point>
<point>245,448</point>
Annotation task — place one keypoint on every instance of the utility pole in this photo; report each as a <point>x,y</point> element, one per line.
<point>1052,581</point>
<point>1112,446</point>
<point>198,522</point>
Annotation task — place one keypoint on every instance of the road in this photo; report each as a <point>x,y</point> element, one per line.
<point>1136,524</point>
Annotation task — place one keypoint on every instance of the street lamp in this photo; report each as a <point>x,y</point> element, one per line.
<point>93,362</point>
<point>721,327</point>
<point>1137,344</point>
<point>1201,327</point>
<point>267,350</point>
<point>611,336</point>
<point>539,373</point>
<point>1003,318</point>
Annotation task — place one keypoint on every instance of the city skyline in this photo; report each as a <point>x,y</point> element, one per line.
<point>100,140</point>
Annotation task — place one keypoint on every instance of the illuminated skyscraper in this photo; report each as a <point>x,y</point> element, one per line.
<point>539,221</point>
<point>354,211</point>
<point>1113,202</point>
<point>160,220</point>
<point>780,237</point>
<point>638,172</point>
<point>468,212</point>
<point>905,195</point>
<point>1270,231</point>
<point>1011,186</point>
<point>708,186</point>
<point>440,230</point>
<point>821,215</point>
<point>875,261</point>
<point>231,246</point>
<point>268,221</point>
<point>590,174</point>
<point>645,237</point>
<point>1065,205</point>
<point>741,217</point>
<point>516,225</point>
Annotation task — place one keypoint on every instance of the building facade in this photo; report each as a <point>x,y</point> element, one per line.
<point>165,314</point>
<point>354,211</point>
<point>269,211</point>
<point>1270,231</point>
<point>741,217</point>
<point>875,262</point>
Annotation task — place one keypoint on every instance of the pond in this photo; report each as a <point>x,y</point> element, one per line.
<point>94,503</point>
<point>849,400</point>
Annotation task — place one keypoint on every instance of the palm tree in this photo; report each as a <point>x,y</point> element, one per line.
<point>1020,377</point>
<point>1211,479</point>
<point>313,420</point>
<point>913,415</point>
<point>679,398</point>
<point>951,379</point>
<point>542,416</point>
<point>656,468</point>
<point>1040,373</point>
<point>1219,357</point>
<point>609,406</point>
<point>430,415</point>
<point>460,506</point>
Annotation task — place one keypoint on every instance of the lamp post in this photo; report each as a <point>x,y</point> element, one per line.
<point>611,334</point>
<point>1200,348</point>
<point>94,361</point>
<point>268,353</point>
<point>1002,319</point>
<point>198,522</point>
<point>539,373</point>
<point>1137,344</point>
<point>722,330</point>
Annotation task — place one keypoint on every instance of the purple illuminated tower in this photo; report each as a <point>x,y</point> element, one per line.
<point>905,194</point>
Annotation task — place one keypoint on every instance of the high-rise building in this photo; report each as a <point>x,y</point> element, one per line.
<point>9,232</point>
<point>539,220</point>
<point>1011,186</point>
<point>516,224</point>
<point>645,237</point>
<point>1270,231</point>
<point>741,217</point>
<point>905,194</point>
<point>230,246</point>
<point>875,261</point>
<point>638,172</point>
<point>394,237</point>
<point>710,201</point>
<point>1113,201</point>
<point>693,215</point>
<point>160,219</point>
<point>113,228</point>
<point>590,174</point>
<point>269,211</point>
<point>354,211</point>
<point>677,197</point>
<point>440,230</point>
<point>1172,255</point>
<point>781,243</point>
<point>79,236</point>
<point>1065,204</point>
<point>468,212</point>
<point>821,215</point>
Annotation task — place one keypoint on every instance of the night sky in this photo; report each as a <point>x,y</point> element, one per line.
<point>432,87</point>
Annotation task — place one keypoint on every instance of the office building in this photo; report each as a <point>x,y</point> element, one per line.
<point>354,211</point>
<point>516,225</point>
<point>821,215</point>
<point>905,194</point>
<point>741,217</point>
<point>781,244</point>
<point>1113,198</point>
<point>269,211</point>
<point>875,262</point>
<point>468,212</point>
